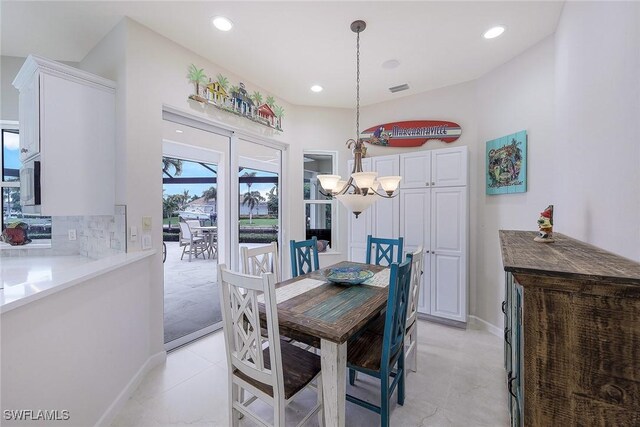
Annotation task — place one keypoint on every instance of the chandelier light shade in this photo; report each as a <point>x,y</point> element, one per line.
<point>361,189</point>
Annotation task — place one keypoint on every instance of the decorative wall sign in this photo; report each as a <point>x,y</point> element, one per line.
<point>507,164</point>
<point>235,99</point>
<point>411,133</point>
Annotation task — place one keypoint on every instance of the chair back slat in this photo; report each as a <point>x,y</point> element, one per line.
<point>417,261</point>
<point>243,338</point>
<point>263,259</point>
<point>386,251</point>
<point>304,256</point>
<point>193,223</point>
<point>396,315</point>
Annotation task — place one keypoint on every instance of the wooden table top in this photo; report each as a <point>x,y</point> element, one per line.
<point>330,311</point>
<point>566,257</point>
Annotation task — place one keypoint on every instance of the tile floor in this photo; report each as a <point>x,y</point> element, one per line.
<point>460,382</point>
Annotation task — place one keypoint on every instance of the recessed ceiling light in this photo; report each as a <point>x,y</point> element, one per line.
<point>178,131</point>
<point>493,32</point>
<point>316,88</point>
<point>222,23</point>
<point>391,63</point>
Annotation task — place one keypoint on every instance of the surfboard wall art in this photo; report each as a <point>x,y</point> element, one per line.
<point>411,133</point>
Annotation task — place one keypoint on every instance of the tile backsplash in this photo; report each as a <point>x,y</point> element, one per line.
<point>96,236</point>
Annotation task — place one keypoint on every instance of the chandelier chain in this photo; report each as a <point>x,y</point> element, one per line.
<point>358,86</point>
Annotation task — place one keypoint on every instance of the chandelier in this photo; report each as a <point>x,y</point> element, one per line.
<point>361,189</point>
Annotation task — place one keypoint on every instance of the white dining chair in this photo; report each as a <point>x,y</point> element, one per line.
<point>263,259</point>
<point>411,335</point>
<point>269,369</point>
<point>190,243</point>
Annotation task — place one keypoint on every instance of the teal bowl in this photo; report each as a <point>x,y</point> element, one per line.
<point>348,275</point>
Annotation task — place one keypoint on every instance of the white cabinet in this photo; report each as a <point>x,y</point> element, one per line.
<point>448,297</point>
<point>446,167</point>
<point>431,211</point>
<point>385,213</point>
<point>67,122</point>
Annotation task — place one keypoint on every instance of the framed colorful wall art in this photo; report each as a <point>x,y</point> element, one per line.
<point>507,164</point>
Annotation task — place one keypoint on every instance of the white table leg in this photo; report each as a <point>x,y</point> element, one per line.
<point>334,384</point>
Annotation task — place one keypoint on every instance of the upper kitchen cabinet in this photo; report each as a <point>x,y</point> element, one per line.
<point>445,167</point>
<point>67,124</point>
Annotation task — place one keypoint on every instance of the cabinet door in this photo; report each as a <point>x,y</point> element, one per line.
<point>415,169</point>
<point>449,167</point>
<point>449,253</point>
<point>385,213</point>
<point>415,223</point>
<point>77,130</point>
<point>29,116</point>
<point>360,227</point>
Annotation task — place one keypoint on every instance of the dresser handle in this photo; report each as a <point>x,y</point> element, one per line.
<point>506,336</point>
<point>24,150</point>
<point>509,386</point>
<point>504,307</point>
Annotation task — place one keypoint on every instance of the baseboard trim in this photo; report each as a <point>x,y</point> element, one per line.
<point>442,321</point>
<point>116,406</point>
<point>481,324</point>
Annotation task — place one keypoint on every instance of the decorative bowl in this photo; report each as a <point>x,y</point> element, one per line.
<point>348,275</point>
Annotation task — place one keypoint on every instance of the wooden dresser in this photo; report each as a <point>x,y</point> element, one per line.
<point>572,333</point>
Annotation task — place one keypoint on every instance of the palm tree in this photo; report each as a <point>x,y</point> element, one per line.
<point>197,77</point>
<point>234,89</point>
<point>272,200</point>
<point>279,112</point>
<point>170,205</point>
<point>169,162</point>
<point>271,101</point>
<point>257,98</point>
<point>184,197</point>
<point>252,199</point>
<point>248,183</point>
<point>210,193</point>
<point>223,81</point>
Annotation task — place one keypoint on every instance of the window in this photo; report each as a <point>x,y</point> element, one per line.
<point>319,209</point>
<point>39,226</point>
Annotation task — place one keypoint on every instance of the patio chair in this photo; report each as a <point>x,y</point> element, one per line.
<point>194,245</point>
<point>384,250</point>
<point>263,259</point>
<point>271,370</point>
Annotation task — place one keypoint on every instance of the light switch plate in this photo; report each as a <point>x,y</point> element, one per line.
<point>72,234</point>
<point>133,233</point>
<point>146,241</point>
<point>146,223</point>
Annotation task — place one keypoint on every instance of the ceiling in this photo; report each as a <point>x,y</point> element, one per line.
<point>285,47</point>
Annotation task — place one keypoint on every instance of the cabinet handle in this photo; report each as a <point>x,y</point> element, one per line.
<point>504,307</point>
<point>427,252</point>
<point>24,150</point>
<point>433,183</point>
<point>426,183</point>
<point>507,332</point>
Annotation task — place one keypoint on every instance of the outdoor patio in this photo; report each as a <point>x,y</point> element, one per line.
<point>191,298</point>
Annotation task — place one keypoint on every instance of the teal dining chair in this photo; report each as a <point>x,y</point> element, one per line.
<point>384,250</point>
<point>380,354</point>
<point>304,256</point>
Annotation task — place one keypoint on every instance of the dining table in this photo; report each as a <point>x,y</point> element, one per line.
<point>331,313</point>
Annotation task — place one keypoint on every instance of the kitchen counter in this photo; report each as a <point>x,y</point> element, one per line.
<point>27,279</point>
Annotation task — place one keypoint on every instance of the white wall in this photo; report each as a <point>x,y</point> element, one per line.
<point>597,156</point>
<point>79,348</point>
<point>9,67</point>
<point>516,96</point>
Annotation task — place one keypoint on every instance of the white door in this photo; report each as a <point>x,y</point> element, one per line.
<point>448,253</point>
<point>385,213</point>
<point>415,223</point>
<point>449,167</point>
<point>359,227</point>
<point>415,169</point>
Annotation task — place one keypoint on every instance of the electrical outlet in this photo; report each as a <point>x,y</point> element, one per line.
<point>72,234</point>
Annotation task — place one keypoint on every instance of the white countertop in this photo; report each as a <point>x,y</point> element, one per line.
<point>27,279</point>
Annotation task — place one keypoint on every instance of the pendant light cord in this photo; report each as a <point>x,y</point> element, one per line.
<point>358,86</point>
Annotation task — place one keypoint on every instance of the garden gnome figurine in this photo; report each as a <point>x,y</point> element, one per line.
<point>545,224</point>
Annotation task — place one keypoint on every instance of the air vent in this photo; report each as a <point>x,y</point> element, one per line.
<point>399,88</point>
